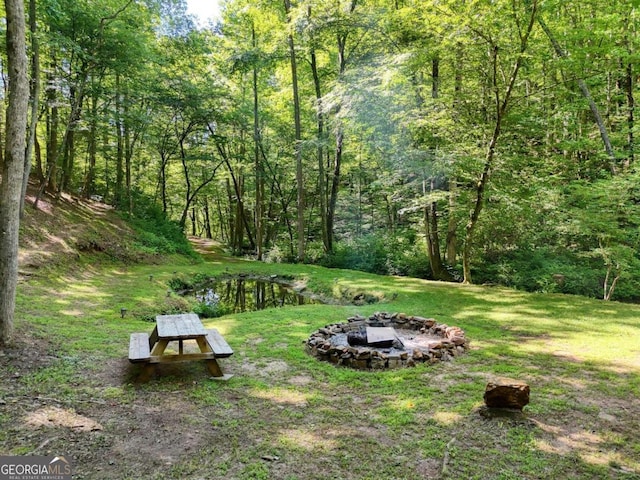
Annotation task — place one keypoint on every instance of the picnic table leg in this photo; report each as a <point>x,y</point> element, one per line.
<point>214,368</point>
<point>148,371</point>
<point>158,348</point>
<point>212,365</point>
<point>153,338</point>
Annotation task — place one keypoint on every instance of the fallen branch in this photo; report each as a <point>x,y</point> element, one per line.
<point>445,460</point>
<point>76,400</point>
<point>42,445</point>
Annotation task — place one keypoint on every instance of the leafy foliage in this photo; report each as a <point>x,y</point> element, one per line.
<point>398,103</point>
<point>156,232</point>
<point>400,253</point>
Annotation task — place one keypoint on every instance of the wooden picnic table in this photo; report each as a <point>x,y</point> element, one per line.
<point>152,349</point>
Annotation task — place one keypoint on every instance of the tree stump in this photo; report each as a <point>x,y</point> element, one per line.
<point>501,394</point>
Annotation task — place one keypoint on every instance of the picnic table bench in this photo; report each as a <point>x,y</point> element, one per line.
<point>151,350</point>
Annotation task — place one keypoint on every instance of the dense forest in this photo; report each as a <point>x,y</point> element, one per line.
<point>477,141</point>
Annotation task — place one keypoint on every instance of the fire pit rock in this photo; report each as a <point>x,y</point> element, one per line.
<point>409,340</point>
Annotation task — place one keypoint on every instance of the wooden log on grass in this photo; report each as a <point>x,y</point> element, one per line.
<point>506,394</point>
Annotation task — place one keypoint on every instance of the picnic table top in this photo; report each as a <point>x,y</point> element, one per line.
<point>182,326</point>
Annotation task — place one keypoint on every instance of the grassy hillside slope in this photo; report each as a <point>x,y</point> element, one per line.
<point>66,386</point>
<point>71,232</point>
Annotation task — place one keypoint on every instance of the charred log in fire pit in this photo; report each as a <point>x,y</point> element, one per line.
<point>381,337</point>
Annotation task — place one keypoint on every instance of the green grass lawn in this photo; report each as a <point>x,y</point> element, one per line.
<point>285,415</point>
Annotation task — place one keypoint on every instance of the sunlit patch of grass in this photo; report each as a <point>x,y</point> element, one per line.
<point>282,396</point>
<point>117,393</point>
<point>303,439</point>
<point>397,414</point>
<point>446,418</point>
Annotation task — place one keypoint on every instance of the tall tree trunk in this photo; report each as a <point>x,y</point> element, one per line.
<point>232,217</point>
<point>435,77</point>
<point>68,158</point>
<point>256,157</point>
<point>67,148</point>
<point>335,186</point>
<point>322,175</point>
<point>119,196</point>
<point>77,93</point>
<point>298,139</point>
<point>391,213</point>
<point>38,154</point>
<point>13,162</point>
<point>223,221</point>
<point>128,152</point>
<point>587,95</point>
<point>53,122</point>
<point>484,177</point>
<point>35,96</point>
<point>629,86</point>
<point>438,269</point>
<point>194,217</point>
<point>501,109</point>
<point>238,186</point>
<point>207,218</point>
<point>337,158</point>
<point>240,214</point>
<point>430,210</point>
<point>163,181</point>
<point>187,182</point>
<point>452,226</point>
<point>89,178</point>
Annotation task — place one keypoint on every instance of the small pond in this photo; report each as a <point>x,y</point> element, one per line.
<point>235,295</point>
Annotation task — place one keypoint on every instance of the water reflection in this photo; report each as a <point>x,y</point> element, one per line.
<point>237,295</point>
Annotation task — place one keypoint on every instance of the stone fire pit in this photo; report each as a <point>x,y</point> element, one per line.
<point>387,340</point>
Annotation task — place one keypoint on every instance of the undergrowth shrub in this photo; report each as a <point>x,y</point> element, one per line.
<point>156,232</point>
<point>400,253</point>
<point>277,254</point>
<point>546,270</point>
<point>215,310</point>
<point>181,283</point>
<point>366,254</point>
<point>170,305</point>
